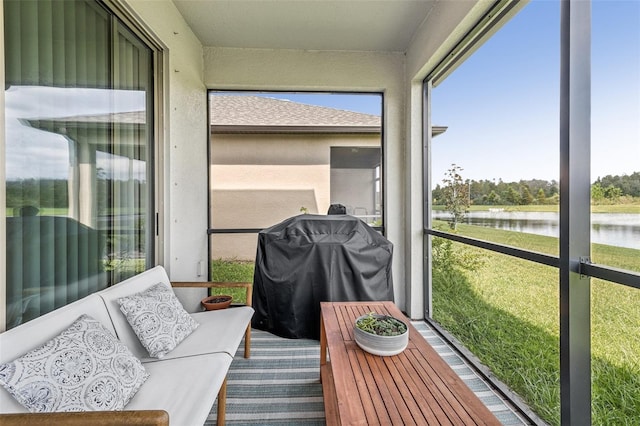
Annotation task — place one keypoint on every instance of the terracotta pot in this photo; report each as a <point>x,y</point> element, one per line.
<point>211,303</point>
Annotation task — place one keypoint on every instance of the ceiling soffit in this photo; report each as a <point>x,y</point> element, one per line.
<point>349,25</point>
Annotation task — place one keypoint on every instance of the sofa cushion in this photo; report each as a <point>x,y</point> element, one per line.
<point>219,331</point>
<point>185,387</point>
<point>157,318</point>
<point>84,368</point>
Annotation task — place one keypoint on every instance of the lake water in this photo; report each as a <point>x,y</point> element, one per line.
<point>615,229</point>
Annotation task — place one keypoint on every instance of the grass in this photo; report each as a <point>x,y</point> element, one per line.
<point>619,257</point>
<point>506,312</point>
<point>231,271</point>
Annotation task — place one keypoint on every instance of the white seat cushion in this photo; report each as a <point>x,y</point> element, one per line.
<point>185,387</point>
<point>219,331</point>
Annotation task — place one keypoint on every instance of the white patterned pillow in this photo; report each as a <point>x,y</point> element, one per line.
<point>84,368</point>
<point>158,319</point>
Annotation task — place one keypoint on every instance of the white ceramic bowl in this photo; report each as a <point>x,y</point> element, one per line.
<point>381,345</point>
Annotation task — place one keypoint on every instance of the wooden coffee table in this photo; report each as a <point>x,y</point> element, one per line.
<point>414,387</point>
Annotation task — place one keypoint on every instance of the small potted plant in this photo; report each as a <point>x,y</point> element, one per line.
<point>381,334</point>
<point>212,303</point>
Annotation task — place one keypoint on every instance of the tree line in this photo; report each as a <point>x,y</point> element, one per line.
<point>54,193</point>
<point>609,189</point>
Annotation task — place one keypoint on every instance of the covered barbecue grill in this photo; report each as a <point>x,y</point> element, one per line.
<point>308,259</point>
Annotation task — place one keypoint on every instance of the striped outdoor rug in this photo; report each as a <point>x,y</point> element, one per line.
<point>279,384</point>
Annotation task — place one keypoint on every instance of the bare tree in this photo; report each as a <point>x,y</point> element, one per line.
<point>456,195</point>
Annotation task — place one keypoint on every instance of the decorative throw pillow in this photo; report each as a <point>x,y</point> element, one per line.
<point>158,319</point>
<point>84,368</point>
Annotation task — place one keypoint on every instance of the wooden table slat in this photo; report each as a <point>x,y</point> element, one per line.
<point>448,405</point>
<point>408,396</point>
<point>431,410</point>
<point>450,388</point>
<point>343,383</point>
<point>375,410</point>
<point>401,414</point>
<point>389,404</point>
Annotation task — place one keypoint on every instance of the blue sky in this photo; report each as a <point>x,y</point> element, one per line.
<point>501,105</point>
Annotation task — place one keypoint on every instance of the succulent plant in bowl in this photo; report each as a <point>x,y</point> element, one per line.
<point>381,334</point>
<point>381,325</point>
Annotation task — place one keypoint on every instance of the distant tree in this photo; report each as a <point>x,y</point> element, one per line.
<point>541,197</point>
<point>436,195</point>
<point>456,195</point>
<point>493,198</point>
<point>512,196</point>
<point>628,184</point>
<point>612,193</point>
<point>525,198</point>
<point>597,192</point>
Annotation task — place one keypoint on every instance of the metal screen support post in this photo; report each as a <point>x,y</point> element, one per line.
<point>575,212</point>
<point>426,188</point>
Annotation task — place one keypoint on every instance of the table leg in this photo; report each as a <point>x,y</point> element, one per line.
<point>323,343</point>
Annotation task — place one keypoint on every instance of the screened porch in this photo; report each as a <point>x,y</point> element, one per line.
<point>111,167</point>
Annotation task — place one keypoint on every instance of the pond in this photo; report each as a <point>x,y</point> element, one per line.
<point>615,229</point>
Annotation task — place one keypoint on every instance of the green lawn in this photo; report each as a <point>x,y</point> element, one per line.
<point>506,312</point>
<point>231,271</point>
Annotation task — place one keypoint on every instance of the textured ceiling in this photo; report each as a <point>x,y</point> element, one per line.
<point>361,25</point>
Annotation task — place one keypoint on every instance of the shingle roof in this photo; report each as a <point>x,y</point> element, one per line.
<point>229,112</point>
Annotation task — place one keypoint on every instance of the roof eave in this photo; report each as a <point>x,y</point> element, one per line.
<point>221,128</point>
<point>230,128</point>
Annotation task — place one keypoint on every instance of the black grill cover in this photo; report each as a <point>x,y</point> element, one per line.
<point>308,259</point>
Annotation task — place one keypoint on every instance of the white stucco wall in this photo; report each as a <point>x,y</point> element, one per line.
<point>264,69</point>
<point>258,180</point>
<point>184,156</point>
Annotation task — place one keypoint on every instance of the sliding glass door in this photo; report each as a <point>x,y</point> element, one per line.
<point>79,138</point>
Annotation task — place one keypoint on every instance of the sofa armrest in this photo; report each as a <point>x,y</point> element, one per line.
<point>220,284</point>
<point>93,418</point>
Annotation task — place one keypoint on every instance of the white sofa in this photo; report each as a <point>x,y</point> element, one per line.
<point>184,383</point>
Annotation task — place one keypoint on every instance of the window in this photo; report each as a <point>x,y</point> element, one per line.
<point>79,153</point>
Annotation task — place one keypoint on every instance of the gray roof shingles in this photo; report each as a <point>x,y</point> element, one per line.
<point>229,110</point>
